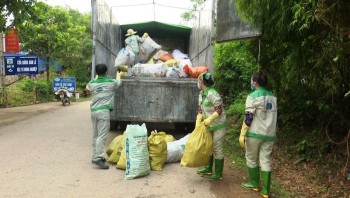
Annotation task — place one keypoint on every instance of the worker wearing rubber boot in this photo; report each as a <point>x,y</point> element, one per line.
<point>211,113</point>
<point>258,133</point>
<point>102,90</point>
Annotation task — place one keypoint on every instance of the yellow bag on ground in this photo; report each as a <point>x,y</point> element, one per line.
<point>199,148</point>
<point>118,147</point>
<point>114,158</point>
<point>122,159</point>
<point>169,138</point>
<point>114,145</point>
<point>157,148</point>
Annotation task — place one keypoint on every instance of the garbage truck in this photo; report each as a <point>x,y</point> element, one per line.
<point>154,99</point>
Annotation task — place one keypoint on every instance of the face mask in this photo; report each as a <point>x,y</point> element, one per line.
<point>198,85</point>
<point>252,86</point>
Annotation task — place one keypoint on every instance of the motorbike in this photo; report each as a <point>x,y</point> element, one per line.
<point>64,97</point>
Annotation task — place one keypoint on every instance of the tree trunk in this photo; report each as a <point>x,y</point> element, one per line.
<point>48,70</point>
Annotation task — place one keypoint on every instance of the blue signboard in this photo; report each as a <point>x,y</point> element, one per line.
<point>69,83</point>
<point>21,65</point>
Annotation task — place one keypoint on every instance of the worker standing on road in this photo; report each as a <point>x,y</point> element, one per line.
<point>211,111</point>
<point>258,133</point>
<point>102,89</point>
<point>132,42</point>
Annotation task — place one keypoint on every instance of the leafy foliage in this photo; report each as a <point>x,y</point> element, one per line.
<point>18,10</point>
<point>62,35</point>
<point>305,52</point>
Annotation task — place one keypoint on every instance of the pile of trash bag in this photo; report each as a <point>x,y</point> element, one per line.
<point>153,61</point>
<point>138,154</point>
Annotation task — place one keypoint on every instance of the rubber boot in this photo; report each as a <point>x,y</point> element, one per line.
<point>254,177</point>
<point>208,169</point>
<point>266,181</point>
<point>219,166</point>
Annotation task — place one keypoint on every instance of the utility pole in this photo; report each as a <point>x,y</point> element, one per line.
<point>3,96</point>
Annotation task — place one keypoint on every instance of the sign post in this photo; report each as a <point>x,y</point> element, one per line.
<point>68,82</point>
<point>21,65</point>
<point>3,95</point>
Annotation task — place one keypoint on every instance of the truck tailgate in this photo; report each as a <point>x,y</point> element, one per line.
<point>156,100</point>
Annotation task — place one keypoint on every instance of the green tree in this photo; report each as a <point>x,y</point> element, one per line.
<point>305,53</point>
<point>17,10</point>
<point>58,34</point>
<point>192,13</point>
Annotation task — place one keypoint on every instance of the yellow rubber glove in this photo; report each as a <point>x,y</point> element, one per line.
<point>211,118</point>
<point>242,135</point>
<point>118,75</point>
<point>199,119</point>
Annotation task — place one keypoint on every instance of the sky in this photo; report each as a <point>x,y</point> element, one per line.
<point>127,11</point>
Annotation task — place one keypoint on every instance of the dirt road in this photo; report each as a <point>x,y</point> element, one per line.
<point>45,152</point>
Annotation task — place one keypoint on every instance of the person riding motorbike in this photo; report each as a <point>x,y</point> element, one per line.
<point>64,95</point>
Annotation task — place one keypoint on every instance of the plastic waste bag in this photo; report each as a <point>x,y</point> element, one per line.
<point>157,148</point>
<point>173,72</point>
<point>150,70</point>
<point>169,138</point>
<point>177,54</point>
<point>124,57</point>
<point>199,148</point>
<point>136,150</point>
<point>121,163</point>
<point>194,72</point>
<point>176,149</point>
<point>116,146</point>
<point>147,49</point>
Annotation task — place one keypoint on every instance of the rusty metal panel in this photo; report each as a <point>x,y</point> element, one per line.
<point>156,100</point>
<point>230,26</point>
<point>107,40</point>
<point>201,49</point>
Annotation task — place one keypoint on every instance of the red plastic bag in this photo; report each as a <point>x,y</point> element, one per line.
<point>194,72</point>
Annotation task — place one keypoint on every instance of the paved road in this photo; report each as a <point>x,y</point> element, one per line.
<point>45,152</point>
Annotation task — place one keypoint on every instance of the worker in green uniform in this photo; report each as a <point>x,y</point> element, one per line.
<point>102,90</point>
<point>258,133</point>
<point>132,43</point>
<point>211,113</point>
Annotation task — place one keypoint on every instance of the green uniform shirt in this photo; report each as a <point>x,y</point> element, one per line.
<point>208,100</point>
<point>132,43</point>
<point>102,91</point>
<point>263,105</point>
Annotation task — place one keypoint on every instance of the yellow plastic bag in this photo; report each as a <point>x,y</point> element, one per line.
<point>169,138</point>
<point>113,145</point>
<point>114,158</point>
<point>157,148</point>
<point>172,62</point>
<point>122,159</point>
<point>118,147</point>
<point>199,148</point>
<point>123,68</point>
